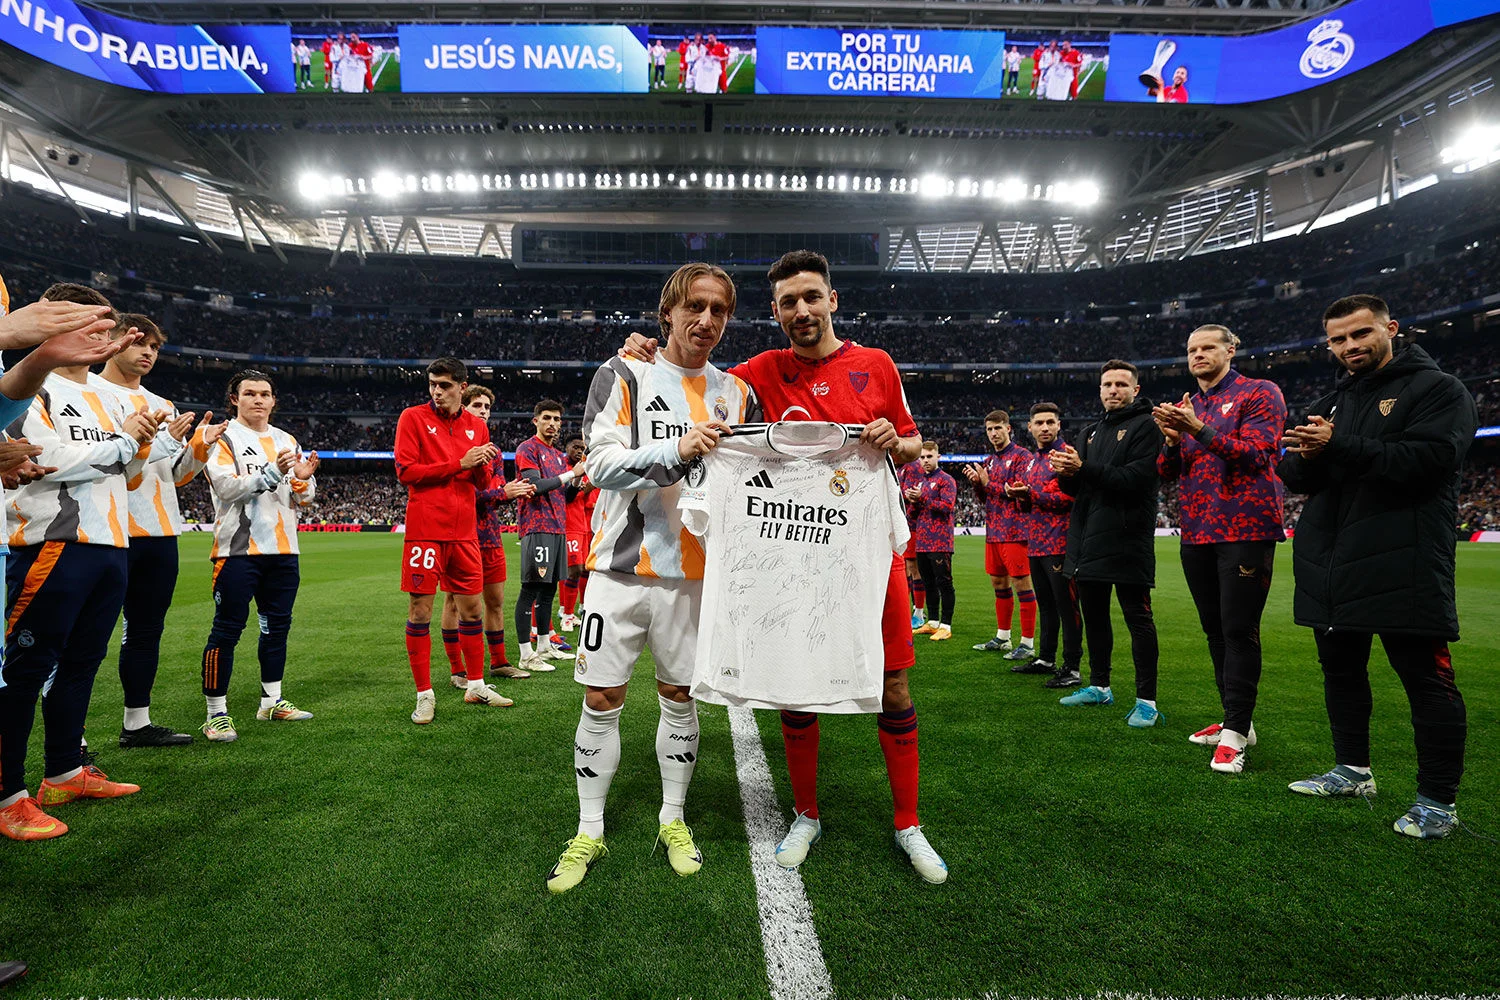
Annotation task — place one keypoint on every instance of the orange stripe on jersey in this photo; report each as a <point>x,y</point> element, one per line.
<point>4,298</point>
<point>623,417</point>
<point>18,537</point>
<point>100,413</point>
<point>136,531</point>
<point>590,562</point>
<point>693,389</point>
<point>114,524</point>
<point>161,512</point>
<point>268,445</point>
<point>37,575</point>
<point>218,565</point>
<point>251,548</point>
<point>283,543</point>
<point>42,411</point>
<point>643,567</point>
<point>692,555</point>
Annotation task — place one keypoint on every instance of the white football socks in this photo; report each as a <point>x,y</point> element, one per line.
<point>1233,740</point>
<point>1003,634</point>
<point>217,706</point>
<point>596,758</point>
<point>270,693</point>
<point>137,718</point>
<point>676,754</point>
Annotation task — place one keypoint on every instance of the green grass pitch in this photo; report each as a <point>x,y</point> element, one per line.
<point>358,855</point>
<point>1091,88</point>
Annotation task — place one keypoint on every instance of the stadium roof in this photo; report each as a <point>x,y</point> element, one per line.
<point>1224,173</point>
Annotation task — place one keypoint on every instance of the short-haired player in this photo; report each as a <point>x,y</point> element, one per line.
<point>1006,531</point>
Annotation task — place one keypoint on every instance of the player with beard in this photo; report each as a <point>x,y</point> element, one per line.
<point>1111,477</point>
<point>1047,511</point>
<point>820,377</point>
<point>1381,460</point>
<point>1006,529</point>
<point>544,528</point>
<point>931,501</point>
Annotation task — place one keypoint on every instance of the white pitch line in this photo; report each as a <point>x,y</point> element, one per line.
<point>794,958</point>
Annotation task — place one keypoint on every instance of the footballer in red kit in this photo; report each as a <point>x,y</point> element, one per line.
<point>442,457</point>
<point>580,514</point>
<point>823,378</point>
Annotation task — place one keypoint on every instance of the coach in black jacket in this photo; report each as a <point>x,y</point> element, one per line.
<point>1111,534</point>
<point>1373,553</point>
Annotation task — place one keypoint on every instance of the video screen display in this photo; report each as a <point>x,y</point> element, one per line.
<point>693,59</point>
<point>349,59</point>
<point>523,59</point>
<point>879,63</point>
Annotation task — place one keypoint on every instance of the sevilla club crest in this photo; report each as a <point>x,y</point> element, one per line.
<point>859,380</point>
<point>1386,405</point>
<point>470,432</point>
<point>1120,436</point>
<point>1226,408</point>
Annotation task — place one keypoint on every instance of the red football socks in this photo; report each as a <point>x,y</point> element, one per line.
<point>419,652</point>
<point>898,741</point>
<point>799,731</point>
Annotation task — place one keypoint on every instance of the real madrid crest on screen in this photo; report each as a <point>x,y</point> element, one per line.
<point>1329,50</point>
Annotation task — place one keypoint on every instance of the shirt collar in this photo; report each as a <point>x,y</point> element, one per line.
<point>1230,377</point>
<point>819,362</point>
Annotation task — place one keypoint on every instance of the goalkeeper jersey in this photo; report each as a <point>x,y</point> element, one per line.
<point>800,522</point>
<point>636,413</point>
<point>154,512</point>
<point>81,432</point>
<point>255,506</point>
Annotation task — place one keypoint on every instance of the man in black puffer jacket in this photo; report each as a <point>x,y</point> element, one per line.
<point>1111,534</point>
<point>1373,553</point>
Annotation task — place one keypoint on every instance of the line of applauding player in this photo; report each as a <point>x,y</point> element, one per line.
<point>1374,553</point>
<point>82,449</point>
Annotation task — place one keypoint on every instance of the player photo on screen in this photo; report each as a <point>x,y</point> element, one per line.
<point>1164,69</point>
<point>350,59</point>
<point>701,60</point>
<point>1051,66</point>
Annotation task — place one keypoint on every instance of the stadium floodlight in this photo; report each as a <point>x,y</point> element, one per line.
<point>1474,149</point>
<point>933,186</point>
<point>312,187</point>
<point>386,185</point>
<point>1011,189</point>
<point>1080,193</point>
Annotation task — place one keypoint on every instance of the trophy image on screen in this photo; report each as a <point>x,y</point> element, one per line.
<point>1151,76</point>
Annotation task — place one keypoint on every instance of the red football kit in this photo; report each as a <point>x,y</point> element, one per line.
<point>853,385</point>
<point>580,516</point>
<point>442,543</point>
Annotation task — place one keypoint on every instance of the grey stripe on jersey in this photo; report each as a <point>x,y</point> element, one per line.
<point>602,388</point>
<point>64,527</point>
<point>627,551</point>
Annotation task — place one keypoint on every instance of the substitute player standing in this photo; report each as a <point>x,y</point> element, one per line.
<point>823,378</point>
<point>1005,535</point>
<point>1222,445</point>
<point>259,477</point>
<point>543,526</point>
<point>442,458</point>
<point>153,524</point>
<point>931,504</point>
<point>1111,477</point>
<point>1381,460</point>
<point>491,531</point>
<point>910,477</point>
<point>1047,510</point>
<point>644,424</point>
<point>580,517</point>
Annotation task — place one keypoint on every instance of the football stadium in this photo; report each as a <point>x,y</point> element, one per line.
<point>1085,414</point>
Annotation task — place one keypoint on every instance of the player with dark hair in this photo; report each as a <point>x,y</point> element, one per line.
<point>1222,445</point>
<point>478,400</point>
<point>820,377</point>
<point>580,513</point>
<point>65,578</point>
<point>1380,458</point>
<point>544,530</point>
<point>443,456</point>
<point>1111,477</point>
<point>172,463</point>
<point>931,503</point>
<point>1046,510</point>
<point>1006,530</point>
<point>259,477</point>
<point>909,477</point>
<point>1175,92</point>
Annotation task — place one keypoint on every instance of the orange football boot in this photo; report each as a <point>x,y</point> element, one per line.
<point>24,820</point>
<point>89,783</point>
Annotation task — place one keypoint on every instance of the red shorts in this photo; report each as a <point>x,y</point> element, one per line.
<point>578,550</point>
<point>455,567</point>
<point>895,621</point>
<point>1006,559</point>
<point>492,559</point>
<point>911,548</point>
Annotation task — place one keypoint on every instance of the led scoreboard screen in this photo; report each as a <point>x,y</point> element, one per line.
<point>705,60</point>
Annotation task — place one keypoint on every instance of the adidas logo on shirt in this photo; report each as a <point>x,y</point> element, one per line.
<point>251,452</point>
<point>657,405</point>
<point>71,411</point>
<point>761,480</point>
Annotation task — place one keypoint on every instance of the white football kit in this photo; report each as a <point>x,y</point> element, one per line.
<point>255,506</point>
<point>646,568</point>
<point>153,508</point>
<point>800,522</point>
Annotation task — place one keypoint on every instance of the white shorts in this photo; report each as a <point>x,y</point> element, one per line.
<point>626,614</point>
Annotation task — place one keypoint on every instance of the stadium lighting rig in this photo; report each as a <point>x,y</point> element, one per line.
<point>1473,150</point>
<point>390,186</point>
